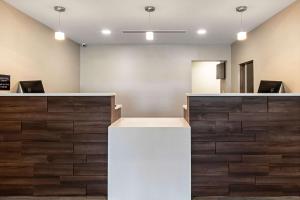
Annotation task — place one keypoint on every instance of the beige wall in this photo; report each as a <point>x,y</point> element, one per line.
<point>150,80</point>
<point>275,49</point>
<point>204,78</point>
<point>28,51</point>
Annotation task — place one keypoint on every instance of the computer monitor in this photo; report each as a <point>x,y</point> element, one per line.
<point>270,86</point>
<point>31,87</point>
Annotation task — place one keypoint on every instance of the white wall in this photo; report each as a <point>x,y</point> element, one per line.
<point>150,80</point>
<point>28,51</point>
<point>204,77</point>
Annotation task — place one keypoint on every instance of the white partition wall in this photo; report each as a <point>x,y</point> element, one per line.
<point>150,80</point>
<point>149,159</point>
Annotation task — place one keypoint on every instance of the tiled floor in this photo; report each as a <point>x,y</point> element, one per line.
<point>102,198</point>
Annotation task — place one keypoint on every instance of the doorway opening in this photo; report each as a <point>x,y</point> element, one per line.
<point>208,76</point>
<point>247,77</point>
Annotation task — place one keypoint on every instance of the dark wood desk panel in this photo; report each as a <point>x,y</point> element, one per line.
<point>245,146</point>
<point>54,146</point>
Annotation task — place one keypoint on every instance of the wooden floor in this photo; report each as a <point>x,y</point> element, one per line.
<point>103,198</point>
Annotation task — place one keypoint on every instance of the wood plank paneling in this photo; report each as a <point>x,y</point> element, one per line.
<point>222,180</point>
<point>15,170</point>
<point>35,181</point>
<point>199,148</point>
<point>89,138</point>
<point>256,190</point>
<point>18,190</point>
<point>212,158</point>
<point>247,147</point>
<point>54,146</point>
<point>212,104</point>
<point>83,179</point>
<point>7,147</point>
<point>47,148</point>
<point>23,104</point>
<point>53,169</point>
<point>61,190</point>
<point>203,191</point>
<point>10,127</point>
<point>90,169</point>
<point>199,115</point>
<point>257,104</point>
<point>66,158</point>
<point>97,158</point>
<point>97,189</point>
<point>84,127</point>
<point>90,148</point>
<point>79,104</point>
<point>284,104</point>
<point>209,169</point>
<point>249,168</point>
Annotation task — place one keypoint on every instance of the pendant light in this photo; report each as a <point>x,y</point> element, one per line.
<point>59,35</point>
<point>149,34</point>
<point>242,35</point>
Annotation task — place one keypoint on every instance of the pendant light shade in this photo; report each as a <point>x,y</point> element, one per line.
<point>149,35</point>
<point>241,36</point>
<point>59,35</point>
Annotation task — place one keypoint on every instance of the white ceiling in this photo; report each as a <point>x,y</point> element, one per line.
<point>85,18</point>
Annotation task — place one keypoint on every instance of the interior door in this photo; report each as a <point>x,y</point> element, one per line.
<point>247,77</point>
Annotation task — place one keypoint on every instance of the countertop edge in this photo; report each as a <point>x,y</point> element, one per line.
<point>160,122</point>
<point>57,95</point>
<point>244,95</point>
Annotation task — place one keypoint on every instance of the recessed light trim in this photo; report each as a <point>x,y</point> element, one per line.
<point>106,32</point>
<point>201,31</point>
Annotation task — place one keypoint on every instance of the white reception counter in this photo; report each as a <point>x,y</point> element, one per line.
<point>149,159</point>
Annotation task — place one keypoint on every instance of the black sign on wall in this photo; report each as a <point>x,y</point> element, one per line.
<point>4,82</point>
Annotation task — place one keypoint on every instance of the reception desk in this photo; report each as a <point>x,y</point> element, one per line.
<point>55,144</point>
<point>245,145</point>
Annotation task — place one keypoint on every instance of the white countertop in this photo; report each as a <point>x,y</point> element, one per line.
<point>151,122</point>
<point>244,94</point>
<point>57,94</point>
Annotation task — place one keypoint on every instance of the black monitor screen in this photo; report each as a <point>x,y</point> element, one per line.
<point>270,86</point>
<point>32,86</point>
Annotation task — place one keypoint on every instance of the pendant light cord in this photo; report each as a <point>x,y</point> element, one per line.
<point>59,21</point>
<point>149,20</point>
<point>242,19</point>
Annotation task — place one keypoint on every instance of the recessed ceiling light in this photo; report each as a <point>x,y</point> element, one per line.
<point>106,32</point>
<point>202,31</point>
